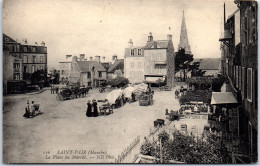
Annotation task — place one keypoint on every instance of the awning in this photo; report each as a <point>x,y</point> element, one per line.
<point>154,79</point>
<point>223,98</point>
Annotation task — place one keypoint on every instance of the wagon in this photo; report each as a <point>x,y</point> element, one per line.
<point>64,94</point>
<point>146,99</point>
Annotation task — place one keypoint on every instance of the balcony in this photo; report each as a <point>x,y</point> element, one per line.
<point>160,62</point>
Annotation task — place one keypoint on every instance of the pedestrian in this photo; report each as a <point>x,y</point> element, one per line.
<point>133,97</point>
<point>95,109</point>
<point>27,110</point>
<point>57,90</point>
<point>51,88</point>
<point>89,109</point>
<point>32,109</point>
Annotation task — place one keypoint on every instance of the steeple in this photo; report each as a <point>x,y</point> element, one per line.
<point>184,43</point>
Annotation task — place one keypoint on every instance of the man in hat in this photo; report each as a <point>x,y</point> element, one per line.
<point>27,110</point>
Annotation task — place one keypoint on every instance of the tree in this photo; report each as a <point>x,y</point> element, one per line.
<point>182,62</point>
<point>195,71</point>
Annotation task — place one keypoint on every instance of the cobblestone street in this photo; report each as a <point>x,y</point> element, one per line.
<point>64,126</point>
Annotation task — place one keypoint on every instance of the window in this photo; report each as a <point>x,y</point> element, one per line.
<point>14,48</point>
<point>100,74</point>
<point>62,72</point>
<point>132,65</point>
<point>132,52</point>
<point>140,75</point>
<point>34,59</point>
<point>139,52</point>
<point>33,68</point>
<point>16,65</point>
<point>33,49</point>
<point>89,75</point>
<point>25,49</point>
<point>16,76</point>
<point>237,76</point>
<point>240,78</point>
<point>25,59</point>
<point>41,59</point>
<point>249,84</point>
<point>243,82</point>
<point>139,65</point>
<point>159,56</point>
<point>159,69</point>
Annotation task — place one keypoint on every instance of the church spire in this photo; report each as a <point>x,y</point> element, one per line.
<point>184,43</point>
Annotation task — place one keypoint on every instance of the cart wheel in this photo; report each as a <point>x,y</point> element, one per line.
<point>61,98</point>
<point>72,97</point>
<point>58,97</point>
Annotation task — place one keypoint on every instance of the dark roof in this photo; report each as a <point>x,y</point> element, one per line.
<point>160,44</point>
<point>85,66</point>
<point>208,63</point>
<point>10,40</point>
<point>105,65</point>
<point>119,63</point>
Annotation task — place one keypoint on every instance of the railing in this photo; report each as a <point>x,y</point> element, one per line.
<point>130,153</point>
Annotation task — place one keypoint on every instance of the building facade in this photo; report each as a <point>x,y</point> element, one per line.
<point>12,66</point>
<point>87,73</point>
<point>134,63</point>
<point>34,57</point>
<point>159,60</point>
<point>240,66</point>
<point>116,69</point>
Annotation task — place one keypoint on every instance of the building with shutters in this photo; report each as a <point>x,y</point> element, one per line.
<point>134,63</point>
<point>240,65</point>
<point>12,66</point>
<point>159,61</point>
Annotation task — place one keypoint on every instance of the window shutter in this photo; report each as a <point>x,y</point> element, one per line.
<point>249,84</point>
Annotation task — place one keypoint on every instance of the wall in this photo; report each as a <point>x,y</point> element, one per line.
<point>170,64</point>
<point>134,69</point>
<point>66,68</point>
<point>75,72</point>
<point>152,55</point>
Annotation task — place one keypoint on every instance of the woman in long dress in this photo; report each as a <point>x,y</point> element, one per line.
<point>89,109</point>
<point>95,109</point>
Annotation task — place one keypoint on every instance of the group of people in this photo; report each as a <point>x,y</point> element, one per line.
<point>92,109</point>
<point>29,109</point>
<point>54,89</point>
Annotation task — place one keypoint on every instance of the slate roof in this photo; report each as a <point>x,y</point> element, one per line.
<point>119,63</point>
<point>10,39</point>
<point>208,63</point>
<point>160,44</point>
<point>85,66</point>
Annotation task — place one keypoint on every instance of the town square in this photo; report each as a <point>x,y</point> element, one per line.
<point>115,82</point>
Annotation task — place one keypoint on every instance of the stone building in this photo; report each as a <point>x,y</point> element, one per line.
<point>116,69</point>
<point>159,60</point>
<point>87,73</point>
<point>12,66</point>
<point>64,69</point>
<point>240,41</point>
<point>134,63</point>
<point>34,56</point>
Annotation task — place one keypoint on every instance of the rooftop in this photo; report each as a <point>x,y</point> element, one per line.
<point>85,66</point>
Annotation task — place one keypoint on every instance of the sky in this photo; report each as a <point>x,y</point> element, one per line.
<point>104,27</point>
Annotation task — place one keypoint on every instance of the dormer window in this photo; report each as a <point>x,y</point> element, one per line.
<point>33,49</point>
<point>25,49</point>
<point>139,52</point>
<point>132,52</point>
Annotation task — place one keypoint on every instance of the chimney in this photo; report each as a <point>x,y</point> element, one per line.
<point>82,57</point>
<point>43,44</point>
<point>130,43</point>
<point>169,37</point>
<point>25,41</point>
<point>36,43</point>
<point>97,58</point>
<point>74,59</point>
<point>68,56</point>
<point>150,37</point>
<point>86,59</point>
<point>91,58</point>
<point>103,58</point>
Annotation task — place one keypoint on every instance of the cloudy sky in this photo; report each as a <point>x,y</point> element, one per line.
<point>104,27</point>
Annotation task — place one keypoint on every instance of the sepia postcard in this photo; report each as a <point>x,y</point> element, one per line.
<point>140,81</point>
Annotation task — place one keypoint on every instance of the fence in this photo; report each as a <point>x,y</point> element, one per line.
<point>130,153</point>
